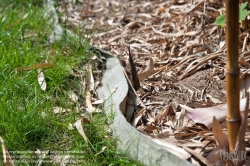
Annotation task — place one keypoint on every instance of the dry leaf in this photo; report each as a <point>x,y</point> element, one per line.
<point>85,120</point>
<point>205,115</point>
<point>41,79</point>
<point>72,96</point>
<point>247,162</point>
<point>58,110</point>
<point>151,64</point>
<point>102,150</point>
<point>70,126</point>
<point>200,157</point>
<point>222,44</point>
<point>194,162</point>
<point>135,80</point>
<point>160,10</point>
<point>149,128</point>
<point>214,100</point>
<point>36,66</point>
<point>131,25</point>
<point>41,155</point>
<point>65,160</point>
<point>144,75</point>
<point>138,99</point>
<point>90,107</point>
<point>43,114</point>
<point>90,79</point>
<point>78,125</point>
<point>165,112</point>
<point>97,102</point>
<point>6,156</point>
<point>91,83</point>
<point>240,144</point>
<point>215,157</point>
<point>243,62</point>
<point>182,119</point>
<point>138,116</point>
<point>180,33</point>
<point>219,135</point>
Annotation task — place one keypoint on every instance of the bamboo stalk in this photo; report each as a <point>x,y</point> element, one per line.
<point>232,72</point>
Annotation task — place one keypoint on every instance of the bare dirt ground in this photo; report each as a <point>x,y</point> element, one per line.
<point>178,51</point>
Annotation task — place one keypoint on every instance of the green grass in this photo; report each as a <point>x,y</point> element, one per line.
<point>27,120</point>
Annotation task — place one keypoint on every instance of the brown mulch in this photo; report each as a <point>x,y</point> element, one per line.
<point>179,54</point>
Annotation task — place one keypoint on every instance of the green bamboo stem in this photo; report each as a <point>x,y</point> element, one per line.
<point>232,72</point>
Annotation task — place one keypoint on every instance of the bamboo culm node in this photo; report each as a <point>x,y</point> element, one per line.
<point>233,72</point>
<point>231,120</point>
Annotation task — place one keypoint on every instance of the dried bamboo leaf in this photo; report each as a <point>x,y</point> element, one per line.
<point>240,144</point>
<point>90,107</point>
<point>151,64</point>
<point>131,25</point>
<point>201,158</point>
<point>138,101</point>
<point>201,2</point>
<point>205,115</point>
<point>219,135</point>
<point>149,128</point>
<point>6,156</point>
<point>160,10</point>
<point>182,119</point>
<point>78,125</point>
<point>138,116</point>
<point>36,66</point>
<point>168,110</point>
<point>178,34</point>
<point>41,79</point>
<point>144,75</point>
<point>90,79</point>
<point>72,96</point>
<point>58,110</point>
<point>215,157</point>
<point>135,79</point>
